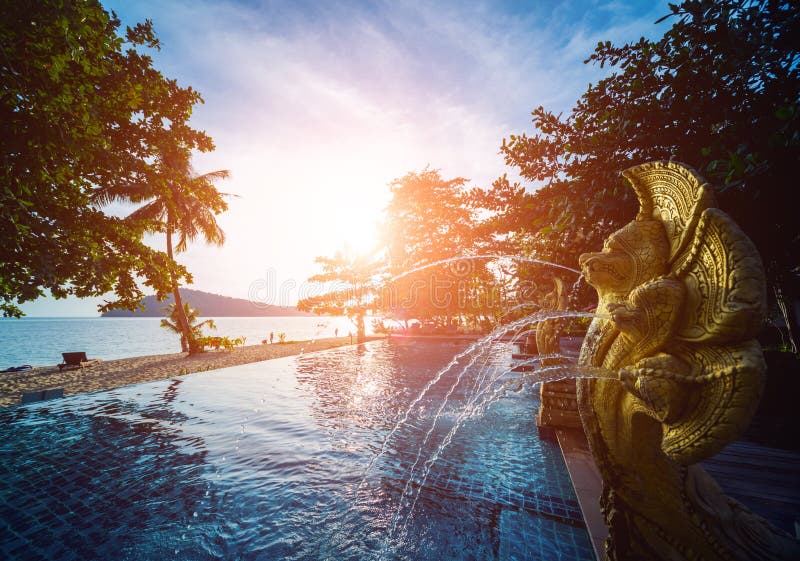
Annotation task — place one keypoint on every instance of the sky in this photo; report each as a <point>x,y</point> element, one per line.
<point>315,107</point>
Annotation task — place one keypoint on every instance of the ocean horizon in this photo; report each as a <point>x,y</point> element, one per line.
<point>39,341</point>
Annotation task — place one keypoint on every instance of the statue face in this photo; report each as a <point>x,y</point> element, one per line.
<point>634,254</point>
<point>611,270</point>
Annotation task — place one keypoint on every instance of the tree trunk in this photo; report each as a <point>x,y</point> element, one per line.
<point>188,342</point>
<point>361,331</point>
<point>786,307</point>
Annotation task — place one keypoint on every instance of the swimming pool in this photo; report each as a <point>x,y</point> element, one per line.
<point>267,461</point>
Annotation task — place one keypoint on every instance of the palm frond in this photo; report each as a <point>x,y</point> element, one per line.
<point>122,192</point>
<point>212,176</point>
<point>155,210</point>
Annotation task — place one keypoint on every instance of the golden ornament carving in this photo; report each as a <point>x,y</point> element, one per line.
<point>682,294</point>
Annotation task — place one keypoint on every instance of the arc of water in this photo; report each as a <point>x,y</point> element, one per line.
<point>468,411</point>
<point>428,435</point>
<point>426,467</point>
<point>481,377</point>
<point>487,339</point>
<point>398,512</point>
<point>519,307</point>
<point>483,256</point>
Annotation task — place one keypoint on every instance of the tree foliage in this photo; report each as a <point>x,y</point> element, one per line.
<point>349,286</point>
<point>720,91</point>
<point>192,316</point>
<point>81,109</point>
<point>431,219</point>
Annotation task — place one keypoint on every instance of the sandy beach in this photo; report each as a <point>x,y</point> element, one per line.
<point>114,373</point>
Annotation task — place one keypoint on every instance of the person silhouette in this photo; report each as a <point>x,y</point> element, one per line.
<point>336,332</point>
<point>271,337</point>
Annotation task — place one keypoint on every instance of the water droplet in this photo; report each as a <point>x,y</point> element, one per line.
<point>223,458</point>
<point>183,537</point>
<point>207,493</point>
<point>194,514</point>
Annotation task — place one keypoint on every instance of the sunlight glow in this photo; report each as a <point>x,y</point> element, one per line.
<point>356,227</point>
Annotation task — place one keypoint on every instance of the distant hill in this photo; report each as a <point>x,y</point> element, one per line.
<point>210,305</point>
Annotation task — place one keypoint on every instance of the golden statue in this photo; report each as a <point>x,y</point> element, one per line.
<point>558,406</point>
<point>682,292</point>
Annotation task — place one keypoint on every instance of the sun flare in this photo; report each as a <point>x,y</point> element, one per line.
<point>356,227</point>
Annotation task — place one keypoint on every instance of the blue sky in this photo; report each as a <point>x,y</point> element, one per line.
<point>316,106</point>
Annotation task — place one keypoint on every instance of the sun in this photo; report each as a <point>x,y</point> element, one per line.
<point>356,226</point>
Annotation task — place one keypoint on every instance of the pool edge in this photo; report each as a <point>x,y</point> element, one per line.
<point>586,481</point>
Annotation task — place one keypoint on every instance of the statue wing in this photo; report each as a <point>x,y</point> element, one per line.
<point>725,283</point>
<point>724,308</point>
<point>675,195</point>
<point>726,385</point>
<point>709,253</point>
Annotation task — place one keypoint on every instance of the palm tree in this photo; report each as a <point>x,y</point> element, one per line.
<point>191,315</point>
<point>180,203</point>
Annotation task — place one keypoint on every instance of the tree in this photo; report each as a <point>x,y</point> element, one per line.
<point>81,108</point>
<point>720,91</point>
<point>429,219</point>
<point>191,315</point>
<point>352,293</point>
<point>181,204</point>
<point>510,218</point>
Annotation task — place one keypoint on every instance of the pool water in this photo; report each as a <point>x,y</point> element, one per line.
<point>269,461</point>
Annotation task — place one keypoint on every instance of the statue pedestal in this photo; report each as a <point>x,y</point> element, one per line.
<point>558,409</point>
<point>559,402</point>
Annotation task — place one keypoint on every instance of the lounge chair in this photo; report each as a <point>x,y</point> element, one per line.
<point>76,360</point>
<point>22,368</point>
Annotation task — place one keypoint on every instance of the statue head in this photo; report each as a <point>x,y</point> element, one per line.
<point>632,255</point>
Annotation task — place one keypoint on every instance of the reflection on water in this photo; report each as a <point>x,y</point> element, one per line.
<point>264,461</point>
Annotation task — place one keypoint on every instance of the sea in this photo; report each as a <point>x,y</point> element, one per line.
<point>39,341</point>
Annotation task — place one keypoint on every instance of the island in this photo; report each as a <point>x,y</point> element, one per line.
<point>209,305</point>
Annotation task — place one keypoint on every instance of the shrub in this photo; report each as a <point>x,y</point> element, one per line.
<point>217,343</point>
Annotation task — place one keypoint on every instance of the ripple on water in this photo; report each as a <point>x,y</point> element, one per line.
<point>165,466</point>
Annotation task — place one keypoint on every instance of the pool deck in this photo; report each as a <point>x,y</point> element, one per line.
<point>766,480</point>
